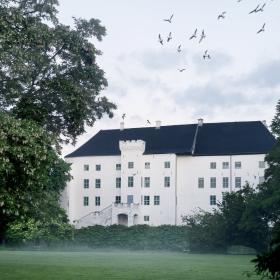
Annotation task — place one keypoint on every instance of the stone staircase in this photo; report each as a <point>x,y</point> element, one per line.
<point>102,217</point>
<point>109,215</point>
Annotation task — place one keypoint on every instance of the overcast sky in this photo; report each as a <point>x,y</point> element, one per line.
<point>240,82</point>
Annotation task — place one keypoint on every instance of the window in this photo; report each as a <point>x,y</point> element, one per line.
<point>85,200</point>
<point>86,167</point>
<point>97,201</point>
<point>146,200</point>
<point>118,199</point>
<point>167,164</point>
<point>130,164</point>
<point>225,165</point>
<point>237,164</point>
<point>223,196</point>
<point>146,218</point>
<point>200,183</point>
<point>156,200</point>
<point>213,165</point>
<point>97,167</point>
<point>86,183</point>
<point>147,182</point>
<point>213,182</point>
<point>238,182</point>
<point>147,165</point>
<point>261,179</point>
<point>118,166</point>
<point>167,182</point>
<point>130,181</point>
<point>97,183</point>
<point>212,200</point>
<point>118,182</point>
<point>129,199</point>
<point>225,182</point>
<point>261,164</point>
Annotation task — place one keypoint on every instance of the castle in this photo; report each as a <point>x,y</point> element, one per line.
<point>156,175</point>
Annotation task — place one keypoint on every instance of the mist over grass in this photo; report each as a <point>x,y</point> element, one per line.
<point>119,264</point>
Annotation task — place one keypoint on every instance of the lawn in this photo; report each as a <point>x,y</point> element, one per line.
<point>121,265</point>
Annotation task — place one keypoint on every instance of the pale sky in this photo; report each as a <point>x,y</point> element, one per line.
<point>240,82</point>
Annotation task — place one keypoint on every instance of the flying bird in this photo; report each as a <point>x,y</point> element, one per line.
<point>202,36</point>
<point>169,19</point>
<point>255,10</point>
<point>182,69</point>
<point>123,116</point>
<point>160,39</point>
<point>262,29</point>
<point>148,122</point>
<point>261,9</point>
<point>222,15</point>
<point>179,49</point>
<point>194,34</point>
<point>169,37</point>
<point>206,55</point>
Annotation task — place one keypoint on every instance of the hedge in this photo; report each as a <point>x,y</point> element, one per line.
<point>139,237</point>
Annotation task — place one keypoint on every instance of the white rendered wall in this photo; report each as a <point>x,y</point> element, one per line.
<point>158,214</point>
<point>184,172</point>
<point>76,190</point>
<point>190,197</point>
<point>165,212</point>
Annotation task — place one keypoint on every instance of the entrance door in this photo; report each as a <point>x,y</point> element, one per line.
<point>122,219</point>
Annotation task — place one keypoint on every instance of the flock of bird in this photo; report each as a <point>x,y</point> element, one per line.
<point>202,35</point>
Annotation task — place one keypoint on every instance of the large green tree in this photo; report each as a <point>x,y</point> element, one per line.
<point>50,89</point>
<point>48,71</point>
<point>269,203</point>
<point>32,175</point>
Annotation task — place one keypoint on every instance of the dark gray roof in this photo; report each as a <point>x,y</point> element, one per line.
<point>229,138</point>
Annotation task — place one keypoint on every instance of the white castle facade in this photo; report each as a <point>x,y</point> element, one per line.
<point>132,186</point>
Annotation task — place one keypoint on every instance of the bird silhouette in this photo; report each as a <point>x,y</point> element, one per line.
<point>206,55</point>
<point>194,34</point>
<point>160,39</point>
<point>169,37</point>
<point>169,19</point>
<point>255,10</point>
<point>261,8</point>
<point>182,69</point>
<point>179,49</point>
<point>202,36</point>
<point>262,29</point>
<point>148,122</point>
<point>123,116</point>
<point>222,15</point>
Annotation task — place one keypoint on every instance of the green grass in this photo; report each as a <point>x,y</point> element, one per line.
<point>121,265</point>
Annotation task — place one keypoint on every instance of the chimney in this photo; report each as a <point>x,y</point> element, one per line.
<point>200,122</point>
<point>122,126</point>
<point>158,124</point>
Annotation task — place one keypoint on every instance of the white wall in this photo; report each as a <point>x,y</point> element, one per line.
<point>190,197</point>
<point>76,190</point>
<point>184,185</point>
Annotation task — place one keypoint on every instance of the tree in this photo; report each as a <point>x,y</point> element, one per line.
<point>269,203</point>
<point>236,221</point>
<point>48,71</point>
<point>206,231</point>
<point>32,175</point>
